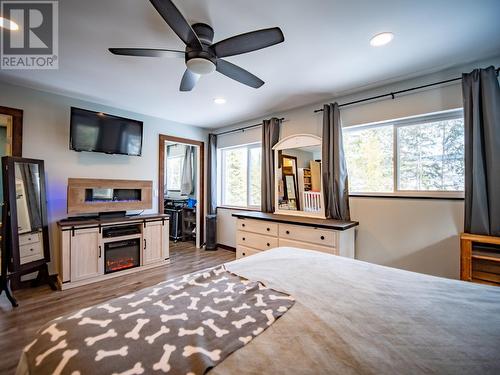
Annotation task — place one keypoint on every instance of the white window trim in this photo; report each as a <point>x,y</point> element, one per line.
<point>407,121</point>
<point>221,175</point>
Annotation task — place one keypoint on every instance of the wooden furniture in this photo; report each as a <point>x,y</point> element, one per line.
<point>88,195</point>
<point>25,245</point>
<point>480,259</point>
<point>257,231</point>
<point>92,250</point>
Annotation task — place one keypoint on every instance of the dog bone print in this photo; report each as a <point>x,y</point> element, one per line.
<point>258,331</point>
<point>163,306</point>
<point>128,315</point>
<point>101,354</point>
<point>214,355</point>
<point>195,283</point>
<point>222,314</point>
<point>218,271</point>
<point>136,370</point>
<point>134,334</point>
<point>282,308</point>
<point>269,315</point>
<point>28,347</point>
<point>245,340</point>
<point>60,345</point>
<point>109,308</point>
<point>242,307</point>
<point>272,297</point>
<point>137,303</point>
<point>66,356</point>
<point>216,281</point>
<point>54,333</point>
<point>218,331</point>
<point>200,331</point>
<point>100,323</point>
<point>151,339</point>
<point>260,300</point>
<point>92,340</point>
<point>194,302</point>
<point>240,323</point>
<point>218,300</point>
<point>166,318</point>
<point>128,296</point>
<point>163,364</point>
<point>155,292</point>
<point>229,288</point>
<point>80,313</point>
<point>175,296</point>
<point>213,290</point>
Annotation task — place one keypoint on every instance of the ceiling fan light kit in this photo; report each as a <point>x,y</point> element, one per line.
<point>201,55</point>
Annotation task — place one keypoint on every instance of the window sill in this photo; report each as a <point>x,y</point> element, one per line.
<point>238,208</point>
<point>411,195</point>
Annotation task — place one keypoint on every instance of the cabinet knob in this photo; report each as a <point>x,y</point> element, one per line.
<point>322,237</point>
<point>243,224</point>
<point>243,254</point>
<point>268,244</point>
<point>268,229</point>
<point>243,238</point>
<point>287,232</point>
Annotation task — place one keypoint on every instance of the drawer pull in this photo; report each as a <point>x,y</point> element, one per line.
<point>243,254</point>
<point>287,232</point>
<point>243,224</point>
<point>243,238</point>
<point>268,244</point>
<point>268,229</point>
<point>322,237</point>
<point>32,249</point>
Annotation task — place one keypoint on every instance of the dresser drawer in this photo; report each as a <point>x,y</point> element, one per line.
<point>256,241</point>
<point>258,226</point>
<point>25,239</point>
<point>30,252</point>
<point>321,237</point>
<point>243,251</point>
<point>308,246</point>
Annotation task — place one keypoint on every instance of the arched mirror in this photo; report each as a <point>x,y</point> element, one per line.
<point>298,182</point>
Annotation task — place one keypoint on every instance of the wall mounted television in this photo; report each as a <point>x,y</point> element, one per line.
<point>100,132</point>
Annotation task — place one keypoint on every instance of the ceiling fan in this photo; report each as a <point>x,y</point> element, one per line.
<point>201,55</point>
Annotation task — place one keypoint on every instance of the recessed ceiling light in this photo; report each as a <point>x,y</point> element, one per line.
<point>8,24</point>
<point>220,101</point>
<point>381,39</point>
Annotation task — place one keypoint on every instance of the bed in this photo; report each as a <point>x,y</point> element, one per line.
<point>352,317</point>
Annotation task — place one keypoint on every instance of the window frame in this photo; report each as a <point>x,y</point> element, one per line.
<point>397,124</point>
<point>222,175</point>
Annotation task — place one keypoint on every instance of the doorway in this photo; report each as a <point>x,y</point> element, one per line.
<point>181,187</point>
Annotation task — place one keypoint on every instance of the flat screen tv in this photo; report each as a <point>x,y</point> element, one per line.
<point>100,132</point>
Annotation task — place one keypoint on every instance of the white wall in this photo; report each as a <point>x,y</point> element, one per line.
<point>420,235</point>
<point>46,137</point>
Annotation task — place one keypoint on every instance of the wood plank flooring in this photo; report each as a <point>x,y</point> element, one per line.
<point>39,305</point>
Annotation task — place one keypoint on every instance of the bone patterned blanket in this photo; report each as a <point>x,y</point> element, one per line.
<point>184,325</point>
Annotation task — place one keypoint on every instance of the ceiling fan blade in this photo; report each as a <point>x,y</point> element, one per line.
<point>147,52</point>
<point>177,22</point>
<point>238,74</point>
<point>189,80</point>
<point>248,42</point>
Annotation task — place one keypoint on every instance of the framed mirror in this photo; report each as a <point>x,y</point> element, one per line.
<point>298,184</point>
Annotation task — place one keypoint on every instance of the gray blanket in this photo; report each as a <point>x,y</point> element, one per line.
<point>352,317</point>
<point>185,325</point>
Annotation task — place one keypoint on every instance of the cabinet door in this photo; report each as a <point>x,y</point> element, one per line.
<point>153,239</point>
<point>86,254</point>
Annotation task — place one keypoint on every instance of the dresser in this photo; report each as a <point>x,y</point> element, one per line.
<point>257,231</point>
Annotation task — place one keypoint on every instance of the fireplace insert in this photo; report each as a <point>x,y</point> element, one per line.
<point>121,255</point>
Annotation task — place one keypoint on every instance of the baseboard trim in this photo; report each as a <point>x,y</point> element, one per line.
<point>226,247</point>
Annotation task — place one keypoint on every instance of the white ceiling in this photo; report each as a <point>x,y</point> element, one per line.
<point>326,52</point>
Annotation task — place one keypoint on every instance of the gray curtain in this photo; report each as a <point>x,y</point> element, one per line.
<point>481,95</point>
<point>187,176</point>
<point>270,136</point>
<point>334,169</point>
<point>212,174</point>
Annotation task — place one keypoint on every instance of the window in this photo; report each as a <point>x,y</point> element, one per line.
<point>174,170</point>
<point>240,175</point>
<point>422,156</point>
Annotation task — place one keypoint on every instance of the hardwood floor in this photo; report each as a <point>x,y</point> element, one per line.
<point>39,305</point>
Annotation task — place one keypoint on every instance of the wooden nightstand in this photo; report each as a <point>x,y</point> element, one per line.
<point>480,259</point>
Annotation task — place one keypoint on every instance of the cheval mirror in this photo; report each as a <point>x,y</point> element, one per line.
<point>25,218</point>
<point>298,182</point>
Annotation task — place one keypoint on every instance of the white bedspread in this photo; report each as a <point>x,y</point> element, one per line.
<point>356,317</point>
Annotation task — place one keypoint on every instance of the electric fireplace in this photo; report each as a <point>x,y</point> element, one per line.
<point>121,255</point>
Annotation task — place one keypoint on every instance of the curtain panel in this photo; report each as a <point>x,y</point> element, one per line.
<point>270,136</point>
<point>334,168</point>
<point>481,95</point>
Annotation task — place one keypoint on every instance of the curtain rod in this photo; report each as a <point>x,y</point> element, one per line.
<point>392,94</point>
<point>244,128</point>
